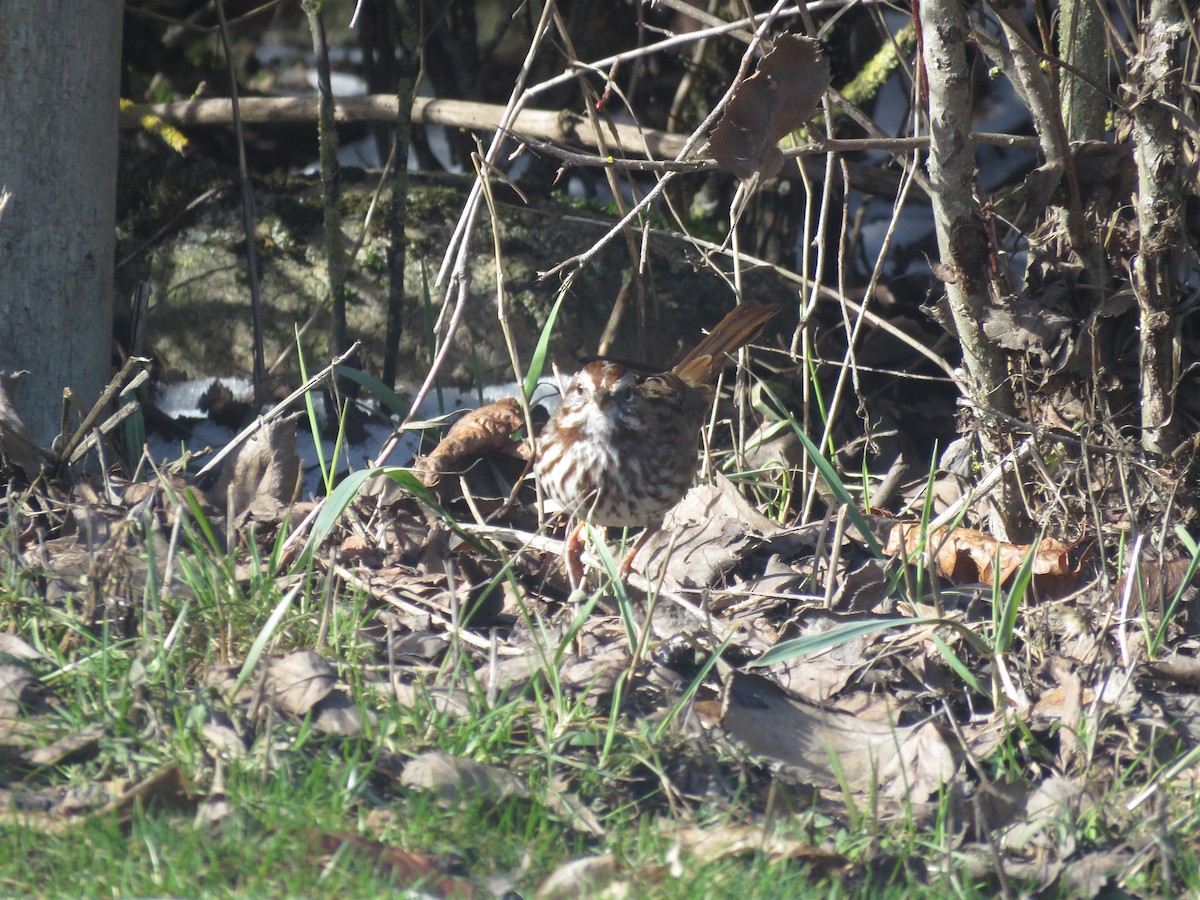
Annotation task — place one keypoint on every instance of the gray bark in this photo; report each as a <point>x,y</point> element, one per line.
<point>59,77</point>
<point>1160,221</point>
<point>971,280</point>
<point>1081,37</point>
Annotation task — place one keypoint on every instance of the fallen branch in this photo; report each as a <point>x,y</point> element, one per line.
<point>537,124</point>
<point>552,125</point>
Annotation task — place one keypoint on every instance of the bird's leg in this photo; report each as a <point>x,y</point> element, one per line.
<point>573,556</point>
<point>627,563</point>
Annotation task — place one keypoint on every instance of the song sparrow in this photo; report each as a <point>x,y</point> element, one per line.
<point>621,448</point>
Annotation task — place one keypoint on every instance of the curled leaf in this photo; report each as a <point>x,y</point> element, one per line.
<point>776,100</point>
<point>478,432</point>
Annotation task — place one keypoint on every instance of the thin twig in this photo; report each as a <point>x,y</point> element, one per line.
<point>456,262</point>
<point>249,216</point>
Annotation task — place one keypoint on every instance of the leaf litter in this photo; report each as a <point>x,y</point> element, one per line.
<point>864,717</point>
<point>428,588</point>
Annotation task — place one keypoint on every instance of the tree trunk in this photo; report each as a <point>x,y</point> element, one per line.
<point>59,78</point>
<point>1160,161</point>
<point>972,282</point>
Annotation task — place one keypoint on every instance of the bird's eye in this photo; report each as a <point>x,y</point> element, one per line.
<point>625,394</point>
<point>575,390</point>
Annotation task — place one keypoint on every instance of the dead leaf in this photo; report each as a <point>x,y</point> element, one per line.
<point>52,810</point>
<point>445,701</point>
<point>705,535</point>
<point>165,788</point>
<point>455,779</point>
<point>66,746</point>
<point>18,647</point>
<point>355,549</point>
<point>1154,581</point>
<point>964,555</point>
<point>215,806</point>
<point>591,876</point>
<point>1025,325</point>
<point>15,444</point>
<point>1178,667</point>
<point>338,714</point>
<point>828,749</point>
<point>223,739</point>
<point>265,465</point>
<point>924,763</point>
<point>300,680</point>
<point>571,809</point>
<point>777,99</point>
<point>1045,823</point>
<point>478,432</point>
<point>1088,875</point>
<point>817,677</point>
<point>722,842</point>
<point>15,685</point>
<point>407,867</point>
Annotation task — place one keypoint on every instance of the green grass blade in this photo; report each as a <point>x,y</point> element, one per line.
<point>264,636</point>
<point>960,668</point>
<point>848,631</point>
<point>829,474</point>
<point>538,362</point>
<point>835,636</point>
<point>189,497</point>
<point>380,391</point>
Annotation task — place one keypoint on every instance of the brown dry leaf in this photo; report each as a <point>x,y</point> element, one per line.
<point>571,809</point>
<point>64,747</point>
<point>15,444</point>
<point>266,464</point>
<point>1088,875</point>
<point>776,100</point>
<point>18,647</point>
<point>56,808</point>
<point>166,788</point>
<point>736,840</point>
<point>213,809</point>
<point>223,740</point>
<point>407,867</point>
<point>300,680</point>
<point>925,762</point>
<point>964,555</point>
<point>222,678</point>
<point>1178,667</point>
<point>510,673</point>
<point>824,748</point>
<point>595,674</point>
<point>356,550</point>
<point>444,701</point>
<point>1043,825</point>
<point>15,685</point>
<point>818,676</point>
<point>420,646</point>
<point>1025,325</point>
<point>478,432</point>
<point>1064,703</point>
<point>591,876</point>
<point>338,714</point>
<point>455,778</point>
<point>705,535</point>
<point>979,861</point>
<point>1154,581</point>
<point>404,587</point>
